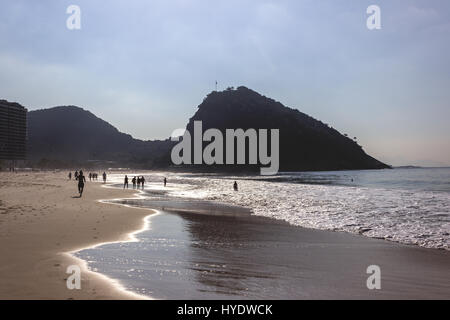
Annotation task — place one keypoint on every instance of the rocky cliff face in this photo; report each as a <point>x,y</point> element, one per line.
<point>305,143</point>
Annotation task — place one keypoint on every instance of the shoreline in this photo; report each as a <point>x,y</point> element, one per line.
<point>320,244</point>
<point>130,237</point>
<point>43,221</point>
<point>235,257</point>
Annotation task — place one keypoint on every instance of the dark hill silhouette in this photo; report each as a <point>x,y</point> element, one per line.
<point>70,135</point>
<point>305,143</point>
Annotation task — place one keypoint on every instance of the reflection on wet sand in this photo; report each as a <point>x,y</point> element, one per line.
<point>204,250</point>
<point>221,254</point>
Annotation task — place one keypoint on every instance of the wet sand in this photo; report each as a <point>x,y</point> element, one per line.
<point>228,254</point>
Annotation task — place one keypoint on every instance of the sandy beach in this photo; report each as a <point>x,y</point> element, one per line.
<point>224,252</point>
<point>42,218</point>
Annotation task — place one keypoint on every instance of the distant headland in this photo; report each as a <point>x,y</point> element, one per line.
<point>69,136</point>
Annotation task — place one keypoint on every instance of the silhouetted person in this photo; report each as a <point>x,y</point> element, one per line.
<point>70,175</point>
<point>81,180</point>
<point>165,181</point>
<point>125,182</point>
<point>235,186</point>
<point>142,182</point>
<point>104,177</point>
<point>134,182</point>
<point>90,176</point>
<point>76,175</point>
<point>138,181</point>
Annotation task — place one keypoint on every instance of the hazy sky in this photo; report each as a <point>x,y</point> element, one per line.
<point>144,66</point>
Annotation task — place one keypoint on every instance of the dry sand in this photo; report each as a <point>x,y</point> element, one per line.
<point>41,218</point>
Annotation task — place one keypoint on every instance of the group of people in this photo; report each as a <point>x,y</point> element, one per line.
<point>93,176</point>
<point>138,182</point>
<point>79,176</point>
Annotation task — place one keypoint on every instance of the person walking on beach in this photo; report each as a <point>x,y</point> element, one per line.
<point>125,182</point>
<point>165,181</point>
<point>138,181</point>
<point>70,175</point>
<point>235,186</point>
<point>81,180</point>
<point>104,177</point>
<point>76,175</point>
<point>90,176</point>
<point>142,182</point>
<point>134,182</point>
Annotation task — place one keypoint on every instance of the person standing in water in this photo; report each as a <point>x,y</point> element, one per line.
<point>81,180</point>
<point>165,181</point>
<point>235,186</point>
<point>104,177</point>
<point>125,182</point>
<point>142,182</point>
<point>134,182</point>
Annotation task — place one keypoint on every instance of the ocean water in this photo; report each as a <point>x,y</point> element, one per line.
<point>409,206</point>
<point>234,255</point>
<point>194,256</point>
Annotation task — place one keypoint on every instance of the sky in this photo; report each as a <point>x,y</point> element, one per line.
<point>145,65</point>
